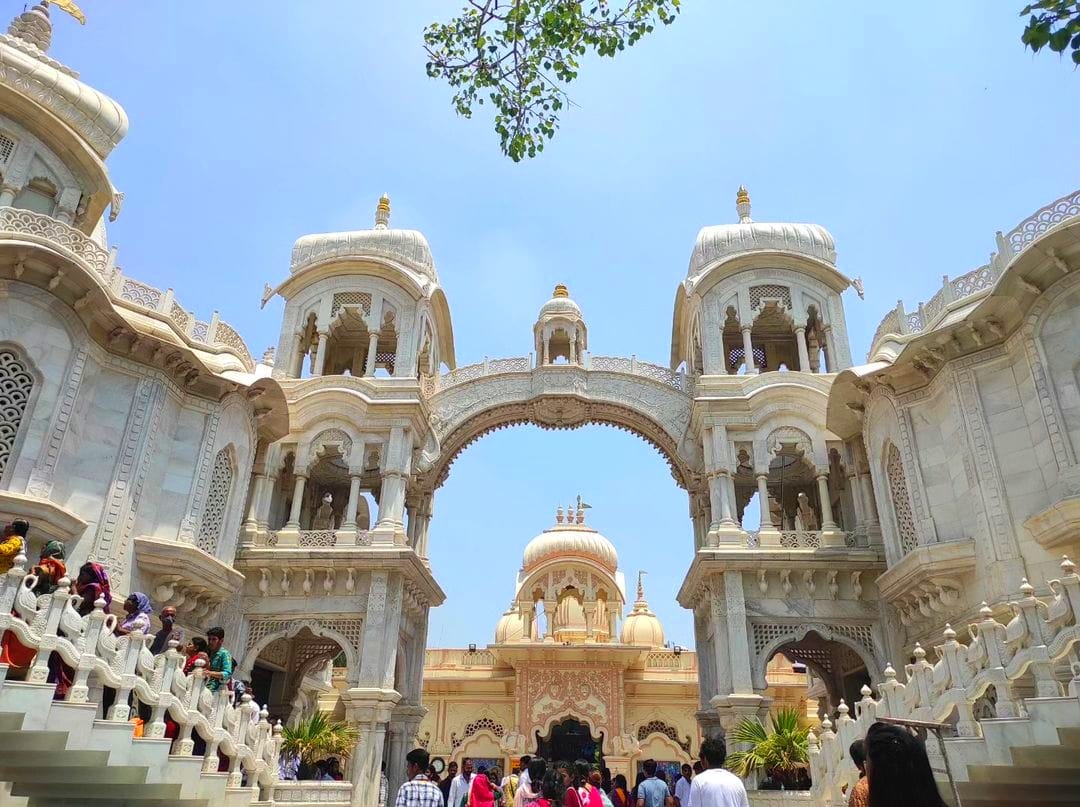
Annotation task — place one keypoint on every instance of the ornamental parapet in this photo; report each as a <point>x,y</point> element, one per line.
<point>632,366</point>
<point>124,292</point>
<point>968,288</point>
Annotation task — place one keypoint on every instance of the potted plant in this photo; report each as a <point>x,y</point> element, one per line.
<point>318,738</point>
<point>780,753</point>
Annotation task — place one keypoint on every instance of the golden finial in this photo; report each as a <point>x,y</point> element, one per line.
<point>743,196</point>
<point>561,291</point>
<point>742,205</point>
<point>382,213</point>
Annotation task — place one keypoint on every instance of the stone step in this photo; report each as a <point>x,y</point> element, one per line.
<point>42,771</point>
<point>124,802</point>
<point>997,794</point>
<point>1046,756</point>
<point>82,759</point>
<point>32,741</point>
<point>1018,774</point>
<point>98,794</point>
<point>1070,737</point>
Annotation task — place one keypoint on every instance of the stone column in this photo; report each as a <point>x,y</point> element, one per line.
<point>320,353</point>
<point>763,501</point>
<point>827,522</point>
<point>354,499</point>
<point>369,711</point>
<point>251,521</point>
<point>392,495</point>
<point>549,619</point>
<point>573,350</point>
<point>7,195</point>
<point>856,500</point>
<point>870,514</point>
<point>266,501</point>
<point>373,346</point>
<point>298,359</point>
<point>717,499</point>
<point>804,354</point>
<point>738,641</point>
<point>297,502</point>
<point>748,351</point>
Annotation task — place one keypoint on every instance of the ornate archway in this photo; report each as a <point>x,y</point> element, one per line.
<point>647,400</point>
<point>264,632</point>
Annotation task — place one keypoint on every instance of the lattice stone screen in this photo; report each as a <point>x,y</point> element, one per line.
<point>16,384</point>
<point>770,292</point>
<point>217,503</point>
<point>898,489</point>
<point>7,148</point>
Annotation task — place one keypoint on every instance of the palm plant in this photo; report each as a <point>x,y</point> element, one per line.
<point>319,737</point>
<point>781,752</point>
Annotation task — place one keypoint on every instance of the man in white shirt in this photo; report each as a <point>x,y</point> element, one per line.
<point>459,788</point>
<point>714,786</point>
<point>682,787</point>
<point>523,777</point>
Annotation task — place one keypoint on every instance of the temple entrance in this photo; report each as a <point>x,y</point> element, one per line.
<point>570,740</point>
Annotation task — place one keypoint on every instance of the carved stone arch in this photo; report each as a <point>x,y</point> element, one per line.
<point>1045,306</point>
<point>263,632</point>
<point>569,711</point>
<point>769,639</point>
<point>789,436</point>
<point>563,398</point>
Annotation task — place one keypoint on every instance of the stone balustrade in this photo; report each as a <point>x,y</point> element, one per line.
<point>799,539</point>
<point>51,624</point>
<point>313,794</point>
<point>431,384</point>
<point>313,539</point>
<point>900,322</point>
<point>1000,662</point>
<point>124,291</point>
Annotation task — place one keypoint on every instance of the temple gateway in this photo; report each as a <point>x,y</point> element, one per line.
<point>918,510</point>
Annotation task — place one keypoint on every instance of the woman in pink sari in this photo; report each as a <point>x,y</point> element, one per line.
<point>482,791</point>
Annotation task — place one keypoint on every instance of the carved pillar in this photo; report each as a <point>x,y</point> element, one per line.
<point>738,641</point>
<point>354,497</point>
<point>748,351</point>
<point>804,354</point>
<point>251,521</point>
<point>869,507</point>
<point>7,195</point>
<point>370,712</point>
<point>320,353</point>
<point>763,501</point>
<point>825,496</point>
<point>297,502</point>
<point>856,500</point>
<point>373,346</point>
<point>549,619</point>
<point>392,494</point>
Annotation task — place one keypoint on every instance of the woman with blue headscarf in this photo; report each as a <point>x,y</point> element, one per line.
<point>138,609</point>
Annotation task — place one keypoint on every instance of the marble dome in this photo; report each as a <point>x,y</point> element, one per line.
<point>570,539</point>
<point>642,627</point>
<point>560,305</point>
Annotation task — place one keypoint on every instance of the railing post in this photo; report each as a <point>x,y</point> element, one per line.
<point>947,293</point>
<point>633,364</point>
<point>13,582</point>
<point>211,331</point>
<point>95,627</point>
<point>156,729</point>
<point>47,642</point>
<point>119,712</point>
<point>166,301</point>
<point>901,317</point>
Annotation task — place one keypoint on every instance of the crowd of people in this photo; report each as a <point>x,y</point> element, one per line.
<point>894,772</point>
<point>92,585</point>
<point>538,783</point>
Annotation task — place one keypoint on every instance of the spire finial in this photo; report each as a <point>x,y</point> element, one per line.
<point>742,205</point>
<point>560,291</point>
<point>641,586</point>
<point>382,213</point>
<point>33,26</point>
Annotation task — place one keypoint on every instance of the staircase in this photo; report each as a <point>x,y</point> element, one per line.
<point>68,753</point>
<point>1043,770</point>
<point>1028,753</point>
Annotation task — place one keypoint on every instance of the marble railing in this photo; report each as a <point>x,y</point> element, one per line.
<point>431,384</point>
<point>51,624</point>
<point>685,660</point>
<point>1004,659</point>
<point>798,539</point>
<point>900,322</point>
<point>441,657</point>
<point>122,290</point>
<point>313,794</point>
<point>313,539</point>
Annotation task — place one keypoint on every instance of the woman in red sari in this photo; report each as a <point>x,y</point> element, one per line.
<point>482,791</point>
<point>49,569</point>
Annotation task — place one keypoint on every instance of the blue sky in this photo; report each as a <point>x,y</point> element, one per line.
<point>911,131</point>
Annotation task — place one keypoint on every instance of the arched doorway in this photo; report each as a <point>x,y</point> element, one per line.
<point>838,668</point>
<point>569,740</point>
